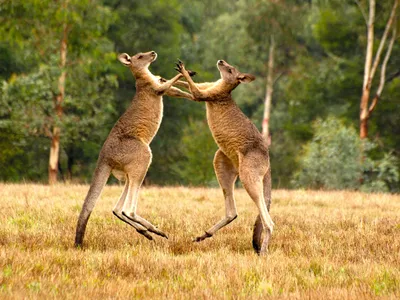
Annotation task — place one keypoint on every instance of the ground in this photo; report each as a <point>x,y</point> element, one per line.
<point>326,245</point>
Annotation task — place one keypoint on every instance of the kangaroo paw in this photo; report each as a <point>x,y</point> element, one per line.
<point>191,73</point>
<point>158,232</point>
<point>202,237</point>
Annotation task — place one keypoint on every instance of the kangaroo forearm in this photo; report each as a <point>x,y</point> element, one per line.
<point>182,84</point>
<point>196,92</point>
<point>177,93</point>
<point>166,85</point>
<point>205,85</point>
<point>201,86</point>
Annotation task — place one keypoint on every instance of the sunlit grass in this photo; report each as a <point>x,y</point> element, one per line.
<point>326,245</point>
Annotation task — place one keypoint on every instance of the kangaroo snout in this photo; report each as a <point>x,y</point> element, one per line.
<point>221,62</point>
<point>153,54</point>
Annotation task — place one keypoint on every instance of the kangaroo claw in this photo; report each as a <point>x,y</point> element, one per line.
<point>202,237</point>
<point>159,232</point>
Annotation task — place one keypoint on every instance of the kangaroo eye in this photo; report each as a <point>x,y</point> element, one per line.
<point>230,71</point>
<point>140,56</point>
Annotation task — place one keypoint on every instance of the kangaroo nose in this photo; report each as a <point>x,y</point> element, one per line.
<point>220,61</point>
<point>153,52</point>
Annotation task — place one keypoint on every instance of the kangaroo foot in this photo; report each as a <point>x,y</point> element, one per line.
<point>202,237</point>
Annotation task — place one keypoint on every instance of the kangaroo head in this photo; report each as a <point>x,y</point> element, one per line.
<point>232,76</point>
<point>138,63</point>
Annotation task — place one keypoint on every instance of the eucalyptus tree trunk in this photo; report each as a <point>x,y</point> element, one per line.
<point>371,65</point>
<point>268,93</point>
<point>58,102</point>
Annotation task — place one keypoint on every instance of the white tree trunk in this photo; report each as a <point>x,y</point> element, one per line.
<point>268,93</point>
<point>55,139</point>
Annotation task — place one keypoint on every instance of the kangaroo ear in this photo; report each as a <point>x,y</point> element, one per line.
<point>245,78</point>
<point>125,59</point>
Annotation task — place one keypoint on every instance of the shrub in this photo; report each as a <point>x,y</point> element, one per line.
<point>198,148</point>
<point>335,158</point>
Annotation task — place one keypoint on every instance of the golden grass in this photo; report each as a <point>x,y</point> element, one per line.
<point>326,245</point>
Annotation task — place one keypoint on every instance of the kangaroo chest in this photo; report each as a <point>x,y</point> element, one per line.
<point>142,119</point>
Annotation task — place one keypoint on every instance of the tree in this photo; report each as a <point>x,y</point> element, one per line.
<point>274,25</point>
<point>371,64</point>
<point>41,29</point>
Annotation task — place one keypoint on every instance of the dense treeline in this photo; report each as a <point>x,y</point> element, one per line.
<point>61,86</point>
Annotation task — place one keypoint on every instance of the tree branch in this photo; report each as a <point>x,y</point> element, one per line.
<point>393,76</point>
<point>370,45</point>
<point>385,62</point>
<point>47,131</point>
<point>278,77</point>
<point>384,37</point>
<point>336,58</point>
<point>362,11</point>
<point>383,71</point>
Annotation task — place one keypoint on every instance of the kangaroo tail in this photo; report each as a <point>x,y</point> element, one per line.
<point>257,234</point>
<point>100,177</point>
<point>258,226</point>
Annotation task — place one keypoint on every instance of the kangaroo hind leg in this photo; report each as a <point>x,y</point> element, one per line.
<point>136,173</point>
<point>226,175</point>
<point>260,245</point>
<point>117,211</point>
<point>254,174</point>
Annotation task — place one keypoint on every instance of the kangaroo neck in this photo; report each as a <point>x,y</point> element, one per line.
<point>144,80</point>
<point>221,104</point>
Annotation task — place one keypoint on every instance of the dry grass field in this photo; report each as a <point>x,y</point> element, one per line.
<point>326,245</point>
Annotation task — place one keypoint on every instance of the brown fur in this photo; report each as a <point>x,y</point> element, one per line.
<point>126,152</point>
<point>242,149</point>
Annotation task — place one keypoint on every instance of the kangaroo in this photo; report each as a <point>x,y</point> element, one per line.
<point>126,152</point>
<point>242,149</point>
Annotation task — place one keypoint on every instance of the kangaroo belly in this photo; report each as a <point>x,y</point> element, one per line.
<point>233,132</point>
<point>119,174</point>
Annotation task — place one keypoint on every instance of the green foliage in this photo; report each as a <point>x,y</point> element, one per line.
<point>30,113</point>
<point>335,30</point>
<point>332,159</point>
<point>34,30</point>
<point>197,148</point>
<point>335,158</point>
<point>381,175</point>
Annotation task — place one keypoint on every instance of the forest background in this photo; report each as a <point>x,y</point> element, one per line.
<point>327,93</point>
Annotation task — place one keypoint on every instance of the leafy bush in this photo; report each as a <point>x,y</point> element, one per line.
<point>381,175</point>
<point>198,148</point>
<point>332,159</point>
<point>335,158</point>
